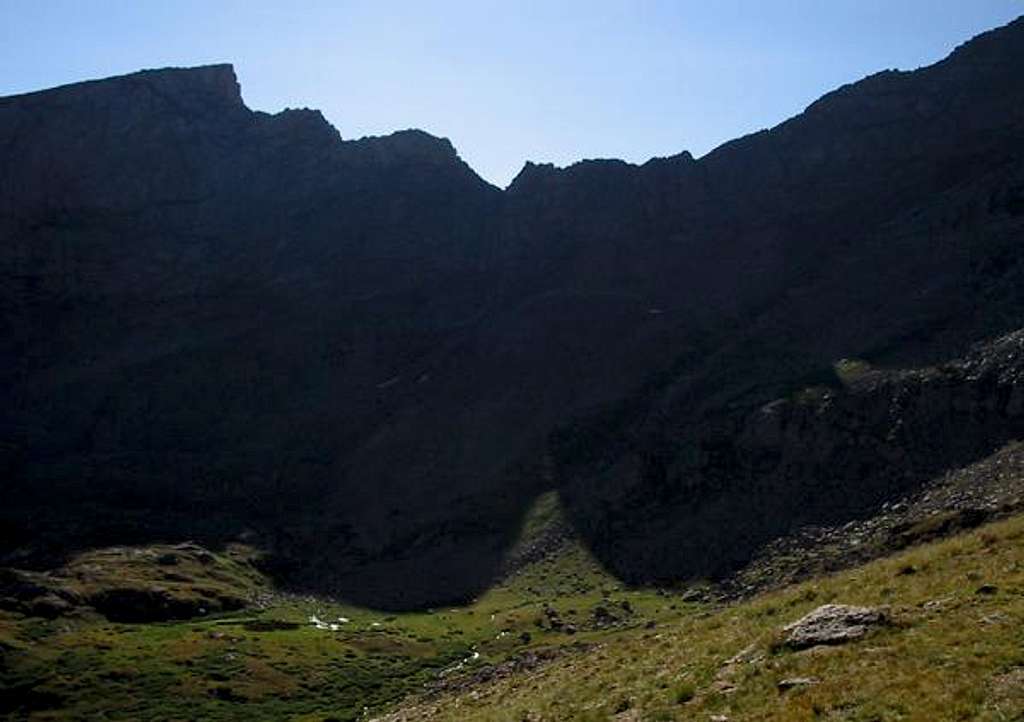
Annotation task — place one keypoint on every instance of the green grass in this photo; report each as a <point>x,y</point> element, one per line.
<point>272,663</point>
<point>952,654</point>
<point>218,668</point>
<point>621,654</point>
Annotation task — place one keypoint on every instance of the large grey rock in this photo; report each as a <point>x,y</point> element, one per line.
<point>833,624</point>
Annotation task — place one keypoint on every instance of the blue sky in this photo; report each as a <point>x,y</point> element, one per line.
<point>506,81</point>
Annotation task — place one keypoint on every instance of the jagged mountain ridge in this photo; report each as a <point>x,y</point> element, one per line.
<point>218,320</point>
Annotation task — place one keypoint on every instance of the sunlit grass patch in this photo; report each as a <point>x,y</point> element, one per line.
<point>953,652</point>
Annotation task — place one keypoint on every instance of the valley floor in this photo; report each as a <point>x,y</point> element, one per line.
<point>560,640</point>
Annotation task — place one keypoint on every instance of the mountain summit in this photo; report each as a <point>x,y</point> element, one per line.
<point>218,323</point>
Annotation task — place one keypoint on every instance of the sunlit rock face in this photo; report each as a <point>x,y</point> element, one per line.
<point>215,320</point>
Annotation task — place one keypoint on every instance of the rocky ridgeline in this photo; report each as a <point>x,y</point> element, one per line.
<point>216,321</point>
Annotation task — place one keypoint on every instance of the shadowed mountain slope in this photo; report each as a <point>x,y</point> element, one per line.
<point>219,322</point>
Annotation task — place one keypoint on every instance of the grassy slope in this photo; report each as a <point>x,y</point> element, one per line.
<point>954,653</point>
<point>271,663</point>
<point>960,658</point>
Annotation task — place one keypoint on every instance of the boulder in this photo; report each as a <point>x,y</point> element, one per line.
<point>833,624</point>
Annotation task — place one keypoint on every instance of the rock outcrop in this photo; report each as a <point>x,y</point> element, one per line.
<point>821,457</point>
<point>833,624</point>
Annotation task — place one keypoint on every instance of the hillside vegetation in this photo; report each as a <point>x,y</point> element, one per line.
<point>64,655</point>
<point>953,650</point>
<point>558,640</point>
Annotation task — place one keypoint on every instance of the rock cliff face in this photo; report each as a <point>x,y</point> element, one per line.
<point>702,502</point>
<point>216,321</point>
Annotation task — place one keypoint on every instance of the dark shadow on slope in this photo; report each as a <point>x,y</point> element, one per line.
<point>658,503</point>
<point>304,551</point>
<point>699,501</point>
